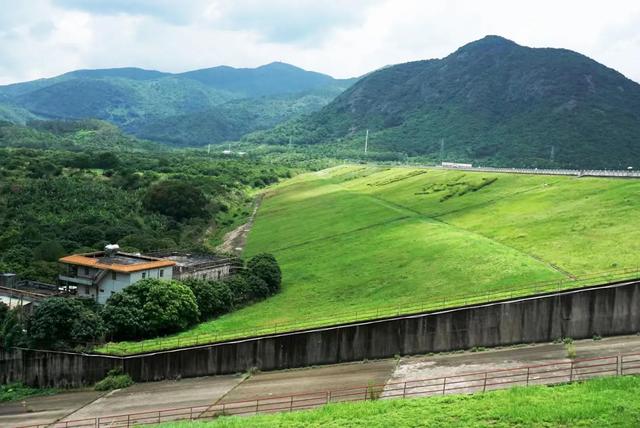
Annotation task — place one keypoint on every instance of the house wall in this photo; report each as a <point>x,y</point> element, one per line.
<point>606,311</point>
<point>211,273</point>
<point>109,286</point>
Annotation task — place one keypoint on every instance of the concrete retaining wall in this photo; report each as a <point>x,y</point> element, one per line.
<point>605,310</point>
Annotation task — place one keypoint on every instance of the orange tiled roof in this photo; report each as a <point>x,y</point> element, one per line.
<point>94,262</point>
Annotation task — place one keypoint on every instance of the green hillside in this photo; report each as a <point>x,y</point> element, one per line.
<point>233,119</point>
<point>356,239</point>
<point>193,108</point>
<point>608,402</point>
<point>276,78</point>
<point>491,102</point>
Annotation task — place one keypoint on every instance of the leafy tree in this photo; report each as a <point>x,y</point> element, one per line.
<point>59,323</point>
<point>123,316</point>
<point>214,298</point>
<point>258,287</point>
<point>4,309</point>
<point>266,267</point>
<point>107,160</point>
<point>149,308</point>
<point>18,255</point>
<point>240,289</point>
<point>177,199</point>
<point>49,251</point>
<point>12,332</point>
<point>170,307</point>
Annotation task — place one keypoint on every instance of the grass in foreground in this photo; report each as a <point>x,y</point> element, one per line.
<point>357,238</point>
<point>605,402</point>
<point>17,391</point>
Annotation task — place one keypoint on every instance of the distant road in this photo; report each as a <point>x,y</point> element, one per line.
<point>570,172</point>
<point>612,173</point>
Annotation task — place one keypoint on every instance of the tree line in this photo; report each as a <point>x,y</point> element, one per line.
<point>146,309</point>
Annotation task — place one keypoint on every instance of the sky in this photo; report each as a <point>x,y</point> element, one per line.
<point>343,38</point>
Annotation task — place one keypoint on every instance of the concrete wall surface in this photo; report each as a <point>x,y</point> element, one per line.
<point>606,310</point>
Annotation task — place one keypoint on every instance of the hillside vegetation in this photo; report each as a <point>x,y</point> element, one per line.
<point>358,238</point>
<point>491,101</point>
<point>199,107</point>
<point>608,402</point>
<point>69,187</point>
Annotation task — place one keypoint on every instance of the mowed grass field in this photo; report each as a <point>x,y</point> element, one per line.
<point>607,402</point>
<point>356,238</point>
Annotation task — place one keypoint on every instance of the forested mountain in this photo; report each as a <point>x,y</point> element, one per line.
<point>186,108</point>
<point>491,101</point>
<point>272,79</point>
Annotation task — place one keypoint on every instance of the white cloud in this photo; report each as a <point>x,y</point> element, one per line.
<point>41,38</point>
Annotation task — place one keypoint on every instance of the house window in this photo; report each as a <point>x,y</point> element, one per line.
<point>144,275</point>
<point>86,271</point>
<point>114,275</point>
<point>161,273</point>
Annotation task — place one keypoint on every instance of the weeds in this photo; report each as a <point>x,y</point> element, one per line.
<point>115,379</point>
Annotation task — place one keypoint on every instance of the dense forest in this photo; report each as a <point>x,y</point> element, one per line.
<point>195,108</point>
<point>491,102</point>
<point>75,186</point>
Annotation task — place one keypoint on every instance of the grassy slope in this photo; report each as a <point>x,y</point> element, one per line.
<point>595,403</point>
<point>354,238</point>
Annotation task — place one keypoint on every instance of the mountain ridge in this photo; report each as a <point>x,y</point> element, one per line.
<point>137,99</point>
<point>489,101</point>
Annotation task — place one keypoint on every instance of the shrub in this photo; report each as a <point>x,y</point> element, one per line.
<point>214,298</point>
<point>257,288</point>
<point>176,199</point>
<point>149,308</point>
<point>4,309</point>
<point>58,323</point>
<point>49,251</point>
<point>12,331</point>
<point>124,317</point>
<point>266,267</point>
<point>115,379</point>
<point>571,350</point>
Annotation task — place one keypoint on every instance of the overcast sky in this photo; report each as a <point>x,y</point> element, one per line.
<point>343,38</point>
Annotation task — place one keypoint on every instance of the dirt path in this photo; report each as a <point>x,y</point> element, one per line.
<point>234,241</point>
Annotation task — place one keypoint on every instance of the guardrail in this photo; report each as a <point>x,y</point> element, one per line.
<point>570,172</point>
<point>356,314</point>
<point>467,383</point>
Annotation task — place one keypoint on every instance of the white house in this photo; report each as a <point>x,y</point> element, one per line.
<point>100,274</point>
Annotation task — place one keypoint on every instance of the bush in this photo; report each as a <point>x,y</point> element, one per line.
<point>176,199</point>
<point>257,287</point>
<point>59,323</point>
<point>266,267</point>
<point>49,251</point>
<point>124,317</point>
<point>18,391</point>
<point>115,380</point>
<point>4,309</point>
<point>214,298</point>
<point>150,308</point>
<point>12,331</point>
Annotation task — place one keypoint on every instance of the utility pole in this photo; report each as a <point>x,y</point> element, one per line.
<point>553,153</point>
<point>441,150</point>
<point>366,142</point>
<point>209,149</point>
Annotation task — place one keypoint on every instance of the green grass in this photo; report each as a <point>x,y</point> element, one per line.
<point>17,391</point>
<point>606,402</point>
<point>353,239</point>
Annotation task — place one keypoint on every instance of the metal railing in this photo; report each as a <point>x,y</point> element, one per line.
<point>570,172</point>
<point>468,383</point>
<point>356,314</point>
